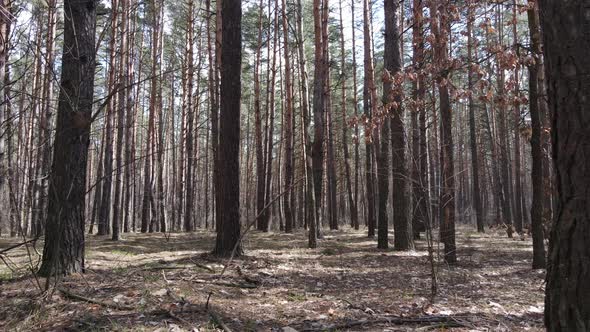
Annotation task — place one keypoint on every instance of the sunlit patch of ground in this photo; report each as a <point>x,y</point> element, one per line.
<point>166,280</point>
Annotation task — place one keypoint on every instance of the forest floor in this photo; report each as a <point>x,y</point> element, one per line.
<point>157,282</point>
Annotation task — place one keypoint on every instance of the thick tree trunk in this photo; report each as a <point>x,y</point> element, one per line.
<point>566,26</point>
<point>228,234</point>
<point>63,252</point>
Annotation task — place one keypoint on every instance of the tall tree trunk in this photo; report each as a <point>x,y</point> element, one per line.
<point>472,128</point>
<point>150,151</point>
<point>189,201</point>
<point>129,121</point>
<point>518,211</point>
<point>537,206</point>
<point>260,174</point>
<point>348,178</point>
<point>317,151</point>
<point>63,252</point>
<point>289,196</point>
<point>6,150</point>
<point>354,220</point>
<point>403,238</point>
<point>330,164</point>
<point>121,111</point>
<point>228,235</point>
<point>369,100</point>
<point>566,26</point>
<point>441,29</point>
<point>105,205</point>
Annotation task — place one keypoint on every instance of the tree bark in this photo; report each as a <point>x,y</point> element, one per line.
<point>566,26</point>
<point>441,28</point>
<point>537,206</point>
<point>228,235</point>
<point>369,100</point>
<point>63,252</point>
<point>289,196</point>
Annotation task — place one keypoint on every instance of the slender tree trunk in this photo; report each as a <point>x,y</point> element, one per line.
<point>472,127</point>
<point>260,174</point>
<point>347,173</point>
<point>121,110</point>
<point>105,204</point>
<point>518,210</point>
<point>537,206</point>
<point>189,201</point>
<point>289,196</point>
<point>441,28</point>
<point>369,100</point>
<point>354,219</point>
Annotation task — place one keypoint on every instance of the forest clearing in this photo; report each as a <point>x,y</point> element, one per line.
<point>344,285</point>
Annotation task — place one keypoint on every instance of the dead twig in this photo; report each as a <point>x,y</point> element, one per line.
<point>435,321</point>
<point>226,284</point>
<point>112,305</point>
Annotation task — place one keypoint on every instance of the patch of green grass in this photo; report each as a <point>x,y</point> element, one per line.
<point>329,252</point>
<point>120,269</point>
<point>250,326</point>
<point>6,276</point>
<point>293,297</point>
<point>151,277</point>
<point>122,252</point>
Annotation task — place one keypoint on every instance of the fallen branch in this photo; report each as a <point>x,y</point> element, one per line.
<point>112,305</point>
<point>438,321</point>
<point>18,245</point>
<point>165,267</point>
<point>226,284</point>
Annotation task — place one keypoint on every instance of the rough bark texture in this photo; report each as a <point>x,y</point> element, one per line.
<point>228,234</point>
<point>63,252</point>
<point>566,27</point>
<point>538,192</point>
